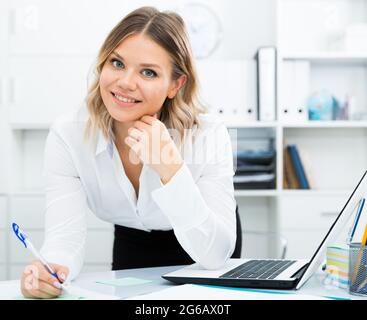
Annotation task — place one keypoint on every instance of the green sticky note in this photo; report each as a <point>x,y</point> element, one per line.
<point>62,297</point>
<point>128,281</point>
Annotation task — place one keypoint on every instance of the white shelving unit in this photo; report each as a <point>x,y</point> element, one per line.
<point>256,124</point>
<point>334,152</point>
<point>327,57</point>
<point>256,193</point>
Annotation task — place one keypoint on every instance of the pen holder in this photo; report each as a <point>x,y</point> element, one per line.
<point>357,269</point>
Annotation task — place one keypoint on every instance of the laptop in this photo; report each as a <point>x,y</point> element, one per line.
<point>271,273</point>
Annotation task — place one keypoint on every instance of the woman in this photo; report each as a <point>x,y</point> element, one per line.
<point>144,157</point>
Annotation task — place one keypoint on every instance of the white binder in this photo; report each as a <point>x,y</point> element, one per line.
<point>228,87</point>
<point>295,89</point>
<point>266,67</point>
<point>249,93</point>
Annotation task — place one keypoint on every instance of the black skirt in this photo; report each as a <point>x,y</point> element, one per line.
<point>135,248</point>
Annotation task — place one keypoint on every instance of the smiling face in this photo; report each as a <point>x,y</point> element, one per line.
<point>136,79</point>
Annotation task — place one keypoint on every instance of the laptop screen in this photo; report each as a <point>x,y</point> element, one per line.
<point>359,192</point>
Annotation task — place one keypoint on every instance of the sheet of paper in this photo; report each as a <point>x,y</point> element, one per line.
<point>62,297</point>
<point>127,281</point>
<point>194,292</point>
<point>75,292</point>
<point>10,290</point>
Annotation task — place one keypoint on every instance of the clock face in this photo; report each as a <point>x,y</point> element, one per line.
<point>204,28</point>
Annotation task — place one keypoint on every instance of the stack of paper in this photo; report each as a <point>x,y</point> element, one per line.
<point>337,257</point>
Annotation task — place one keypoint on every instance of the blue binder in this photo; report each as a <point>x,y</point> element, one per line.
<point>300,172</point>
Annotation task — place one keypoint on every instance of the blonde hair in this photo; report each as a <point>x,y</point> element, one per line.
<point>168,30</point>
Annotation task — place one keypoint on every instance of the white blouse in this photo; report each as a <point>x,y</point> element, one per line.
<point>197,203</point>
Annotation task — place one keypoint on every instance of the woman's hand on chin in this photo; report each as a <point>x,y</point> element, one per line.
<point>151,142</point>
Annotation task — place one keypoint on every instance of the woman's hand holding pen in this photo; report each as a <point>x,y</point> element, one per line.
<point>37,282</point>
<point>150,140</point>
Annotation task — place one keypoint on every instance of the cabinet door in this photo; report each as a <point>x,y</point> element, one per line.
<point>309,212</point>
<point>88,267</point>
<point>16,271</point>
<point>99,246</point>
<point>304,222</point>
<point>302,244</point>
<point>3,244</point>
<point>3,212</point>
<point>2,272</point>
<point>261,245</point>
<point>41,89</point>
<point>28,211</point>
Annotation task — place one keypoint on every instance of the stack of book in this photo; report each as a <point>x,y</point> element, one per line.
<point>294,173</point>
<point>255,169</point>
<point>337,257</point>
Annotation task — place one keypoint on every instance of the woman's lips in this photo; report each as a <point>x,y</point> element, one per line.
<point>122,103</point>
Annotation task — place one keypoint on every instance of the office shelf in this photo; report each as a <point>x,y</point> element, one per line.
<point>255,193</point>
<point>327,124</point>
<point>327,57</point>
<point>291,192</point>
<point>255,124</point>
<point>315,193</point>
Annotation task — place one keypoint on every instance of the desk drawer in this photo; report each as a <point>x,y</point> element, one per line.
<point>16,271</point>
<point>3,212</point>
<point>99,246</point>
<point>309,212</point>
<point>2,272</point>
<point>302,244</point>
<point>90,267</point>
<point>2,246</point>
<point>28,211</point>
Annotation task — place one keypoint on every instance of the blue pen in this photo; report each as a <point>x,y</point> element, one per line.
<point>356,219</point>
<point>28,244</point>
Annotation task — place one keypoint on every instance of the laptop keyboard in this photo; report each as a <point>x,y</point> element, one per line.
<point>258,269</point>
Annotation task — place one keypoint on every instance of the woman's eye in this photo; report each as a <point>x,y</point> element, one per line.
<point>149,73</point>
<point>117,63</point>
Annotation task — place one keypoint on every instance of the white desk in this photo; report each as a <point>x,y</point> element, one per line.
<point>314,286</point>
